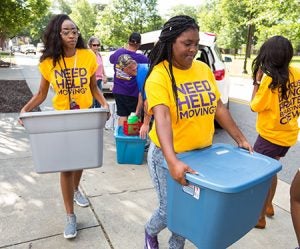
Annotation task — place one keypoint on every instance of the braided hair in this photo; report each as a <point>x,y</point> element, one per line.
<point>162,50</point>
<point>274,58</point>
<point>53,41</point>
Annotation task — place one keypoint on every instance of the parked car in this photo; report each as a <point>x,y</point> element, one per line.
<point>27,49</point>
<point>109,71</point>
<point>39,47</point>
<point>208,53</point>
<point>15,48</point>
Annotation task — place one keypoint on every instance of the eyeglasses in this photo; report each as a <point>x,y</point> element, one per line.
<point>68,32</point>
<point>96,45</point>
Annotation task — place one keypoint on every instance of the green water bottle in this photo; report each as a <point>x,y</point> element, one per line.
<point>133,118</point>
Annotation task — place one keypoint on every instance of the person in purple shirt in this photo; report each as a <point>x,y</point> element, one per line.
<point>125,88</point>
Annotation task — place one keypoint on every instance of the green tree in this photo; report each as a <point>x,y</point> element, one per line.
<point>64,6</point>
<point>182,9</point>
<point>226,18</point>
<point>250,22</point>
<point>277,18</point>
<point>121,17</point>
<point>35,30</point>
<point>17,15</point>
<point>83,14</point>
<point>208,18</point>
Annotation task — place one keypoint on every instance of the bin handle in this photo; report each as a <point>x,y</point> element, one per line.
<point>243,149</point>
<point>190,176</point>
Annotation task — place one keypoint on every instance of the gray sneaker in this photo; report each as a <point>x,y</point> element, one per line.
<point>71,227</point>
<point>80,199</point>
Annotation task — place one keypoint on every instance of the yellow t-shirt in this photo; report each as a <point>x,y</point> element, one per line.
<point>277,119</point>
<point>78,71</point>
<point>197,102</point>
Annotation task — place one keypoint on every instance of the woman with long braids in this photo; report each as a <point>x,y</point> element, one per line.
<point>70,68</point>
<point>276,99</point>
<point>182,94</point>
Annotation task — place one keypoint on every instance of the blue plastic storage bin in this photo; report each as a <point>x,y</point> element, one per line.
<point>224,201</point>
<point>130,149</point>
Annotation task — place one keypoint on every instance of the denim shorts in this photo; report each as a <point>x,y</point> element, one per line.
<point>269,149</point>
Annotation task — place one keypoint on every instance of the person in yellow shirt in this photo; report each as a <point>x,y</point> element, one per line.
<point>276,99</point>
<point>183,96</point>
<point>295,205</point>
<point>70,68</point>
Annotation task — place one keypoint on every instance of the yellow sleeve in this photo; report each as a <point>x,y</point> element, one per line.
<point>263,97</point>
<point>45,69</point>
<point>94,64</point>
<point>156,90</point>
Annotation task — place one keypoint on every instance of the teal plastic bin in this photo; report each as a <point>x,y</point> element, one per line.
<point>130,149</point>
<point>223,202</point>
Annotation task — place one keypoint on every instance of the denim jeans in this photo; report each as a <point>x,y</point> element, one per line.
<point>96,104</point>
<point>158,220</point>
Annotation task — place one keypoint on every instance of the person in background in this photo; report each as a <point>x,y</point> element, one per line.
<point>70,68</point>
<point>125,89</point>
<point>295,205</point>
<point>182,94</point>
<point>94,44</point>
<point>126,66</point>
<point>130,67</point>
<point>276,99</point>
<point>142,71</point>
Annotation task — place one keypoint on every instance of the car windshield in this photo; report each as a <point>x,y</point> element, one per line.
<point>218,53</point>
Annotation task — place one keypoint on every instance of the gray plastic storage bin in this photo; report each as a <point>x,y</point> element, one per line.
<point>66,140</point>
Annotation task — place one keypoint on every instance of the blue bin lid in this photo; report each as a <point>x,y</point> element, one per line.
<point>229,169</point>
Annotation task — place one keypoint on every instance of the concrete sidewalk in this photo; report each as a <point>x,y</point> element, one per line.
<point>122,199</point>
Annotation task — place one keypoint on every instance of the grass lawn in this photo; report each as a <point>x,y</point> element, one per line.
<point>296,61</point>
<point>236,67</point>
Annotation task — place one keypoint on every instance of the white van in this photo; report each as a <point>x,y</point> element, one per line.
<point>40,47</point>
<point>208,53</point>
<point>109,71</point>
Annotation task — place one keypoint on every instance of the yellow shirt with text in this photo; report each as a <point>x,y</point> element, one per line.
<point>277,118</point>
<point>71,80</point>
<point>193,124</point>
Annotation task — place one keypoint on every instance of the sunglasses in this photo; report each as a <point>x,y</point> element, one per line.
<point>74,32</point>
<point>96,45</point>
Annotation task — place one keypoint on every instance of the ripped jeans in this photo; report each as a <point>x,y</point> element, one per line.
<point>158,220</point>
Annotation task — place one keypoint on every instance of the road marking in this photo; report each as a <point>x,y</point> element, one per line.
<point>239,101</point>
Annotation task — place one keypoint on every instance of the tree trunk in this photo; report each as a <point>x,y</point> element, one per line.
<point>248,46</point>
<point>2,42</point>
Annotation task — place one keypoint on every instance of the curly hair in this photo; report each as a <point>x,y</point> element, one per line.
<point>162,50</point>
<point>274,58</point>
<point>53,41</point>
